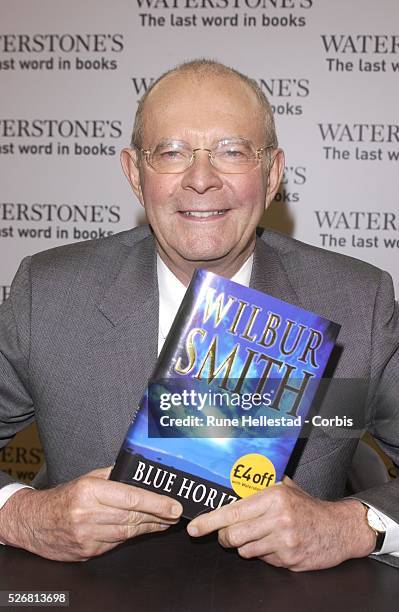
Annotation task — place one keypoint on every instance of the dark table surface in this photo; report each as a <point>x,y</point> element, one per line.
<point>171,572</point>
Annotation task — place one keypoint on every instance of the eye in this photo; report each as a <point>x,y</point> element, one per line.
<point>171,154</point>
<point>234,153</point>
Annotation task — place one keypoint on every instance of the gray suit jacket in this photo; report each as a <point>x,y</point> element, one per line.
<point>78,341</point>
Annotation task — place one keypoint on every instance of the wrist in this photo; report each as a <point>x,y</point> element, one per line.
<point>362,537</point>
<point>13,517</point>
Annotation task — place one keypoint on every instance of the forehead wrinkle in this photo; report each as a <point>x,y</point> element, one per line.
<point>197,100</point>
<point>211,143</point>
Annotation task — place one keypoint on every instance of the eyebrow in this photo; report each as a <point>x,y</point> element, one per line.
<point>168,141</point>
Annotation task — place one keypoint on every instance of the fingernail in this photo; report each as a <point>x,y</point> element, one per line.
<point>176,510</point>
<point>164,526</point>
<point>192,530</point>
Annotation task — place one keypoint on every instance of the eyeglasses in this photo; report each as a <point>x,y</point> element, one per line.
<point>229,156</point>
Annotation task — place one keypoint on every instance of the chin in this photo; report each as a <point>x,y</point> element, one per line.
<point>205,255</point>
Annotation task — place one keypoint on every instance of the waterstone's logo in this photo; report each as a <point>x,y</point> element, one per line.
<point>282,91</point>
<point>358,228</point>
<point>367,53</point>
<point>58,221</point>
<point>51,51</point>
<point>222,13</point>
<point>54,136</point>
<point>360,141</point>
<point>293,179</point>
<point>285,94</point>
<point>21,462</point>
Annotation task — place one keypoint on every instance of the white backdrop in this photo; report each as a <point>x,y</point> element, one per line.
<point>71,74</point>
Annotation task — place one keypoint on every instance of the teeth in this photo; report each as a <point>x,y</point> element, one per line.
<point>212,213</point>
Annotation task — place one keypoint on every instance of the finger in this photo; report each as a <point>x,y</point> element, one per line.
<point>119,533</point>
<point>242,510</point>
<point>283,560</point>
<point>145,518</point>
<point>92,540</point>
<point>245,532</point>
<point>128,497</point>
<point>272,559</point>
<point>106,515</point>
<point>102,472</point>
<point>259,548</point>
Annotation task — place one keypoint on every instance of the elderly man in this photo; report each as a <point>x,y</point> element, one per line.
<point>79,334</point>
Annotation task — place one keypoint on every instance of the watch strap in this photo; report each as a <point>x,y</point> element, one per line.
<point>379,533</point>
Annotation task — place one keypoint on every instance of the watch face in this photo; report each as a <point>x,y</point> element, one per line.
<point>374,521</point>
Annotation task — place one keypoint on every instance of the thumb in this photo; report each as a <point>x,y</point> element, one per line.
<point>102,472</point>
<point>289,483</point>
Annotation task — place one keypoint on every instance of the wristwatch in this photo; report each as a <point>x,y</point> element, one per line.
<point>377,525</point>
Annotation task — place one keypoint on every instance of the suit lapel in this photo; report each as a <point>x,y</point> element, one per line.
<point>131,305</point>
<point>135,287</point>
<point>269,275</point>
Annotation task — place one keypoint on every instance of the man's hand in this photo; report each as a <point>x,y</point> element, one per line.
<point>286,527</point>
<point>83,518</point>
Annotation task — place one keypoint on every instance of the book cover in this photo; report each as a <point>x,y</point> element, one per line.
<point>229,394</point>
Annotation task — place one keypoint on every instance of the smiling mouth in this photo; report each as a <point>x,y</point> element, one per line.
<point>203,214</point>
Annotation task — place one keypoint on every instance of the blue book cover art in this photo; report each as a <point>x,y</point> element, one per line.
<point>231,387</point>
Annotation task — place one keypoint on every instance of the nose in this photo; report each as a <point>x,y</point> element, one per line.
<point>201,176</point>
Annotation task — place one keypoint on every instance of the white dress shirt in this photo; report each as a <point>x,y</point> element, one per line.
<point>171,293</point>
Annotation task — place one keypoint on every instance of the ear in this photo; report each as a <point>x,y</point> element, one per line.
<point>130,165</point>
<point>275,175</point>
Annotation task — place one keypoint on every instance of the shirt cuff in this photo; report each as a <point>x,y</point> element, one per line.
<point>9,490</point>
<point>391,541</point>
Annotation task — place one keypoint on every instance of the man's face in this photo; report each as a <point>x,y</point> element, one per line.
<point>202,112</point>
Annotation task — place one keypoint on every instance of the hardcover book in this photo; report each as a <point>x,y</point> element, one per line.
<point>228,396</point>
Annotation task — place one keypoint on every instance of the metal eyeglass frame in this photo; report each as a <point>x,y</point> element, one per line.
<point>147,153</point>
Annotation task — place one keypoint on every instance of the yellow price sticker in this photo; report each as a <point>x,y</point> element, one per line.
<point>252,473</point>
